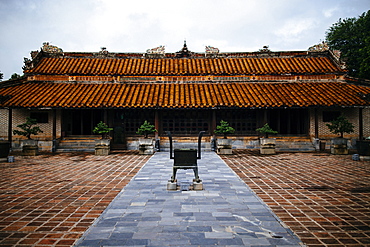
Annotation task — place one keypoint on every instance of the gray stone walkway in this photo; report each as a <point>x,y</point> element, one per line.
<point>225,213</point>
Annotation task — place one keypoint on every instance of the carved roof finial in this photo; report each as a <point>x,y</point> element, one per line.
<point>184,52</point>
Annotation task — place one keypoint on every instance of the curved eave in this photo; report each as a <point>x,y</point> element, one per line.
<point>183,95</point>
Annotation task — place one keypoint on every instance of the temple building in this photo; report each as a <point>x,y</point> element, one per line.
<point>295,92</point>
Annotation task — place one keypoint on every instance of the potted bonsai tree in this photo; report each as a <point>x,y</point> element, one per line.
<point>340,125</point>
<point>267,145</point>
<point>102,146</point>
<point>146,144</point>
<point>29,146</point>
<point>224,146</point>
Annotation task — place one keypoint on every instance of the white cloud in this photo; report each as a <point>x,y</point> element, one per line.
<point>134,26</point>
<point>294,29</point>
<point>329,12</point>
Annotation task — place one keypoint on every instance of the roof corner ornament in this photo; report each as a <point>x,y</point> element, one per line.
<point>156,52</point>
<point>323,46</point>
<point>336,54</point>
<point>35,58</point>
<point>46,47</point>
<point>211,51</point>
<point>27,64</point>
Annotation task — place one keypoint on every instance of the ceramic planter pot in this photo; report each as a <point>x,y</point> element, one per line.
<point>339,146</point>
<point>29,147</point>
<point>102,142</point>
<point>224,146</point>
<point>267,145</point>
<point>146,146</point>
<point>102,147</point>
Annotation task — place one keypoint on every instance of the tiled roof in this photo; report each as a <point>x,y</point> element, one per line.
<point>189,66</point>
<point>182,95</point>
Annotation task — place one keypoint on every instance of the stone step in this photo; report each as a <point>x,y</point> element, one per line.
<point>70,150</point>
<point>295,146</point>
<point>77,144</point>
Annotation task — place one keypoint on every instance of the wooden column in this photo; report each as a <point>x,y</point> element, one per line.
<point>156,123</point>
<point>54,124</point>
<point>360,124</point>
<point>316,124</point>
<point>213,122</point>
<point>10,123</point>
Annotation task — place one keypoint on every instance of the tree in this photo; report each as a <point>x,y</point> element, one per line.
<point>352,37</point>
<point>266,130</point>
<point>145,129</point>
<point>102,129</point>
<point>28,128</point>
<point>340,126</point>
<point>14,76</point>
<point>1,76</point>
<point>224,129</point>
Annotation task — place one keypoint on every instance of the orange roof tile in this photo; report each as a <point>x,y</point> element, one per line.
<point>179,67</point>
<point>182,95</point>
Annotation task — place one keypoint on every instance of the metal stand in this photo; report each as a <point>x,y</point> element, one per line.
<point>185,159</point>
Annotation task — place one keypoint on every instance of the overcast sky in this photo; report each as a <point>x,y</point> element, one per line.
<point>137,25</point>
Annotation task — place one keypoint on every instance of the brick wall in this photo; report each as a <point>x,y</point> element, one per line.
<point>350,113</point>
<point>366,121</point>
<point>19,117</point>
<point>4,124</point>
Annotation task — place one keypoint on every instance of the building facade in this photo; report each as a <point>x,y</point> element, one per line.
<point>296,92</point>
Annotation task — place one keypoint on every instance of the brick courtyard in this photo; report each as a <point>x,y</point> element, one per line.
<point>323,198</point>
<point>50,200</point>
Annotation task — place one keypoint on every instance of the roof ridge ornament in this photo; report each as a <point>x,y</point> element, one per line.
<point>323,46</point>
<point>156,52</point>
<point>46,47</point>
<point>184,52</point>
<point>265,48</point>
<point>103,53</point>
<point>212,51</point>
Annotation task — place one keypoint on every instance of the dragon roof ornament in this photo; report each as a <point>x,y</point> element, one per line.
<point>46,47</point>
<point>323,46</point>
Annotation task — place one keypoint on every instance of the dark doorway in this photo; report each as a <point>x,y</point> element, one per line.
<point>80,122</point>
<point>289,121</point>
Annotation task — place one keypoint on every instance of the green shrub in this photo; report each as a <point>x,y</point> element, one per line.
<point>340,125</point>
<point>102,129</point>
<point>28,128</point>
<point>145,129</point>
<point>266,130</point>
<point>224,129</point>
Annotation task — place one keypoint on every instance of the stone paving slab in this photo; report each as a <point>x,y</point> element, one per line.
<point>225,213</point>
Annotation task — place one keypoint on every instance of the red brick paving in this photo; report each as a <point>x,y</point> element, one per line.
<point>323,198</point>
<point>51,200</point>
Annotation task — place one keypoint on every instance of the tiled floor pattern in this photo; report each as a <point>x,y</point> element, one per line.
<point>51,200</point>
<point>225,213</point>
<point>323,198</point>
